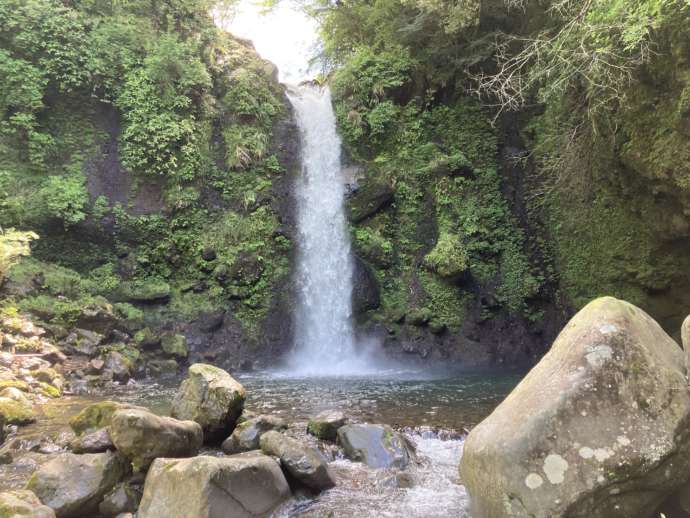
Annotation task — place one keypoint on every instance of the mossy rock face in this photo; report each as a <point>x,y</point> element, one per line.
<point>377,446</point>
<point>149,291</point>
<point>147,339</point>
<point>95,416</point>
<point>373,196</point>
<point>16,412</point>
<point>246,270</point>
<point>23,503</point>
<point>175,345</point>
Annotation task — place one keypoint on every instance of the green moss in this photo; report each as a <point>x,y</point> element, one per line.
<point>448,258</point>
<point>95,416</point>
<point>15,412</point>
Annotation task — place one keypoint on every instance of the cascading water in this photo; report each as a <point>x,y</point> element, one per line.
<point>324,341</point>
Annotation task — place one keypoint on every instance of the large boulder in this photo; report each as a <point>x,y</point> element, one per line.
<point>175,345</point>
<point>23,504</point>
<point>97,416</point>
<point>302,463</point>
<point>247,485</point>
<point>371,197</point>
<point>97,441</point>
<point>376,445</point>
<point>325,425</point>
<point>685,337</point>
<point>245,437</point>
<point>599,428</point>
<point>212,398</point>
<point>74,485</point>
<point>142,436</point>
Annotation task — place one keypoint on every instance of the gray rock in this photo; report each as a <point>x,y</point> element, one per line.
<point>302,463</point>
<point>325,425</point>
<point>97,441</point>
<point>120,366</point>
<point>83,341</point>
<point>96,416</point>
<point>248,485</point>
<point>212,398</point>
<point>23,504</point>
<point>376,445</point>
<point>245,437</point>
<point>175,345</point>
<point>123,498</point>
<point>74,485</point>
<point>597,429</point>
<point>142,436</point>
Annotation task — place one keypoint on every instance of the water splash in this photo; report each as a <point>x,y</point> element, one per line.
<point>325,341</point>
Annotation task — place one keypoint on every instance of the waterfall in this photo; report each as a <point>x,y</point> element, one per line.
<point>324,341</point>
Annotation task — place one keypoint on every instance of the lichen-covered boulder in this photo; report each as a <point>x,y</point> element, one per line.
<point>74,485</point>
<point>246,435</point>
<point>248,485</point>
<point>97,416</point>
<point>376,445</point>
<point>300,462</point>
<point>212,398</point>
<point>685,337</point>
<point>16,412</point>
<point>142,436</point>
<point>597,429</point>
<point>22,503</point>
<point>325,425</point>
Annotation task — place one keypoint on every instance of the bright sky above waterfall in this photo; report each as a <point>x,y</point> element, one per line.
<point>285,35</point>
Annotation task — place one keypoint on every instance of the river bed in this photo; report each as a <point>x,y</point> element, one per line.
<point>434,410</point>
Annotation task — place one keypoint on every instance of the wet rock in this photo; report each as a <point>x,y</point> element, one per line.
<point>243,486</point>
<point>596,429</point>
<point>300,462</point>
<point>377,446</point>
<point>247,269</point>
<point>98,441</point>
<point>22,503</point>
<point>97,416</point>
<point>74,485</point>
<point>685,337</point>
<point>16,412</point>
<point>162,366</point>
<point>373,196</point>
<point>123,498</point>
<point>212,398</point>
<point>175,345</point>
<point>325,425</point>
<point>147,339</point>
<point>245,437</point>
<point>211,322</point>
<point>366,292</point>
<point>83,341</point>
<point>119,365</point>
<point>143,436</point>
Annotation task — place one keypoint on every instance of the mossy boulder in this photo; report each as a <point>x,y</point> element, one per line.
<point>46,375</point>
<point>142,436</point>
<point>377,446</point>
<point>74,485</point>
<point>175,345</point>
<point>16,412</point>
<point>212,398</point>
<point>22,503</point>
<point>598,428</point>
<point>18,384</point>
<point>247,269</point>
<point>325,425</point>
<point>248,484</point>
<point>96,416</point>
<point>147,339</point>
